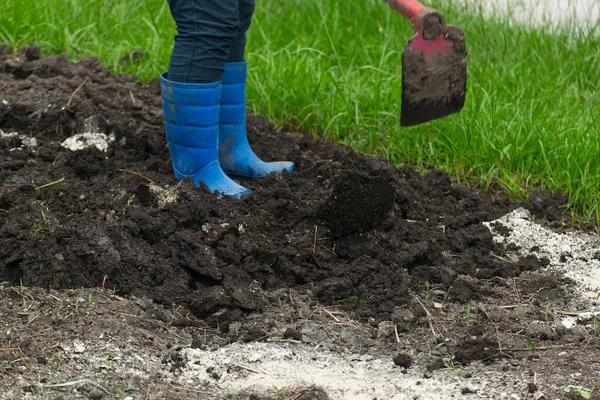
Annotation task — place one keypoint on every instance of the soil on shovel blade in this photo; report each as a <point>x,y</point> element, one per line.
<point>88,199</point>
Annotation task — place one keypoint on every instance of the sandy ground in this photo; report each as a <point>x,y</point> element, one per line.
<point>356,376</point>
<point>113,347</point>
<point>576,255</point>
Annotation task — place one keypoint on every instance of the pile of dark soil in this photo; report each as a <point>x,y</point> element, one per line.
<point>351,229</point>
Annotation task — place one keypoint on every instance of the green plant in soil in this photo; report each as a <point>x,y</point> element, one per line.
<point>519,311</point>
<point>467,317</point>
<point>429,288</point>
<point>532,346</point>
<point>596,324</point>
<point>451,365</point>
<point>583,392</point>
<point>432,350</point>
<point>121,394</point>
<point>279,394</point>
<point>333,69</point>
<point>349,301</point>
<point>44,210</point>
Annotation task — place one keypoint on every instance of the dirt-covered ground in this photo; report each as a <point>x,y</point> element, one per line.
<point>350,279</point>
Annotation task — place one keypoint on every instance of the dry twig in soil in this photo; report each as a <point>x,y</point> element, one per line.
<point>429,317</point>
<point>10,349</point>
<point>136,174</point>
<point>247,368</point>
<point>330,314</point>
<point>77,383</point>
<point>557,346</point>
<point>75,92</point>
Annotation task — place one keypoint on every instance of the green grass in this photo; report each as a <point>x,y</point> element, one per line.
<point>332,68</point>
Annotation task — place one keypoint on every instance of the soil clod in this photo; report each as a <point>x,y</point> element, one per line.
<point>403,360</point>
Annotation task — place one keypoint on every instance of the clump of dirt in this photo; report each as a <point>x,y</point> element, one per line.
<point>475,350</point>
<point>403,360</point>
<point>88,199</point>
<point>365,198</point>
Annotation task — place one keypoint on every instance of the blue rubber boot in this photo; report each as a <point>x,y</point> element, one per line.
<point>235,155</point>
<point>192,124</point>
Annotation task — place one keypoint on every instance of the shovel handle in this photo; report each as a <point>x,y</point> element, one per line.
<point>425,21</point>
<point>411,9</point>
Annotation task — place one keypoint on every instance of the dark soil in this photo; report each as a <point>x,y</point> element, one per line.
<point>412,275</point>
<point>351,228</point>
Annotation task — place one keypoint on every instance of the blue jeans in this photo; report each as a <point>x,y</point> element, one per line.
<point>209,34</point>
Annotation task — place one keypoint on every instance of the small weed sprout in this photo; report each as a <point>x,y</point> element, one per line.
<point>519,311</point>
<point>596,324</point>
<point>583,392</point>
<point>451,365</point>
<point>468,320</point>
<point>90,300</point>
<point>279,395</point>
<point>112,359</point>
<point>44,210</point>
<point>532,346</point>
<point>428,292</point>
<point>430,349</point>
<point>26,299</point>
<point>466,317</point>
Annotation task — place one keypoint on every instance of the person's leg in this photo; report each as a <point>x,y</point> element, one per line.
<point>235,154</point>
<point>205,31</point>
<point>191,90</point>
<point>238,44</point>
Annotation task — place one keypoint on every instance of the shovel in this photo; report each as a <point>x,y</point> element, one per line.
<point>434,65</point>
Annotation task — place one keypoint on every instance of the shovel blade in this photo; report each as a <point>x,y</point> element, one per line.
<point>434,77</point>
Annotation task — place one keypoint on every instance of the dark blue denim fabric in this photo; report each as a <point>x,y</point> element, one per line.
<point>209,34</point>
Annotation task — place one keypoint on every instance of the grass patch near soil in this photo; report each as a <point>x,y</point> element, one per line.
<point>333,69</point>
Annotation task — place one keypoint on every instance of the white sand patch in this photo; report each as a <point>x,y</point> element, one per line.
<point>29,141</point>
<point>164,195</point>
<point>7,135</point>
<point>575,255</point>
<point>26,141</point>
<point>84,140</point>
<point>281,365</point>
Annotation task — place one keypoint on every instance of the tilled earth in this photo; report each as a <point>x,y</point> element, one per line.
<point>88,200</point>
